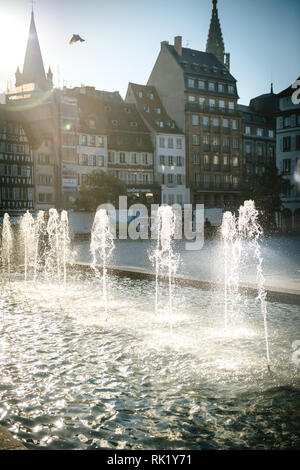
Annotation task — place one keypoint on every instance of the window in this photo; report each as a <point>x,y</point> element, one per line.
<point>259,132</point>
<point>197,179</point>
<point>231,106</point>
<point>179,179</point>
<point>221,88</point>
<point>134,158</point>
<point>170,160</point>
<point>201,102</point>
<point>206,140</point>
<point>157,110</point>
<point>170,142</point>
<point>145,178</point>
<point>170,179</point>
<point>235,161</point>
<point>235,143</point>
<point>140,94</point>
<point>146,108</point>
<point>298,142</point>
<point>178,143</point>
<point>216,140</point>
<point>191,82</point>
<point>145,159</point>
<point>196,139</point>
<point>92,123</point>
<point>111,157</point>
<point>225,123</point>
<point>195,119</point>
<point>286,166</point>
<point>122,157</point>
<point>179,161</point>
<point>211,85</point>
<point>206,161</point>
<point>196,159</point>
<point>133,123</point>
<point>286,144</point>
<point>230,89</point>
<point>221,104</point>
<point>234,124</point>
<point>201,84</point>
<point>192,99</point>
<point>162,142</point>
<point>226,142</point>
<point>162,159</point>
<point>205,121</point>
<point>271,133</point>
<point>216,122</point>
<point>247,130</point>
<point>226,160</point>
<point>100,141</point>
<point>216,160</point>
<point>114,123</point>
<point>212,103</point>
<point>287,121</point>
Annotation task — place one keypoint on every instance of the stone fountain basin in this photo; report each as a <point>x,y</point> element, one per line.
<point>72,380</point>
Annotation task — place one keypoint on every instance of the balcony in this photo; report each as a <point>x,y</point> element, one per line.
<point>16,181</point>
<point>210,109</point>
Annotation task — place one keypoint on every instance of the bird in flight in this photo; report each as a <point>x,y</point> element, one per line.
<point>76,38</point>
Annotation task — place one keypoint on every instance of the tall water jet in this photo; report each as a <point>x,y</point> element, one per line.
<point>6,244</point>
<point>229,232</point>
<point>65,242</point>
<point>39,236</point>
<point>163,256</point>
<point>249,227</point>
<point>53,255</point>
<point>101,248</point>
<point>28,239</point>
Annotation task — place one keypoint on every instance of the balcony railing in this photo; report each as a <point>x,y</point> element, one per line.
<point>215,186</point>
<point>210,109</point>
<point>16,181</point>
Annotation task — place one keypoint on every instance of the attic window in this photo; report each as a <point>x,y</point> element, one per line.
<point>107,108</point>
<point>133,124</point>
<point>151,96</point>
<point>127,110</point>
<point>146,108</point>
<point>140,94</point>
<point>114,123</point>
<point>194,66</point>
<point>157,110</point>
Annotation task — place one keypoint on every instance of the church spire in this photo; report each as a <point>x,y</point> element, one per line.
<point>215,43</point>
<point>33,70</point>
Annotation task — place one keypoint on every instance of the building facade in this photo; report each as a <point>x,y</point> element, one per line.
<point>168,142</point>
<point>288,157</point>
<point>259,139</point>
<point>206,109</point>
<point>16,163</point>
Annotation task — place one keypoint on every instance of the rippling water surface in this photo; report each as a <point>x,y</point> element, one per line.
<point>71,380</point>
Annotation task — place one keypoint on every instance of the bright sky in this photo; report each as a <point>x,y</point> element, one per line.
<point>123,39</point>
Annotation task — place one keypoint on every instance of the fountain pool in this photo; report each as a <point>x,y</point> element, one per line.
<point>72,378</point>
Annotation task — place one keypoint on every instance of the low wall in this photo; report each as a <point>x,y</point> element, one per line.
<point>286,296</point>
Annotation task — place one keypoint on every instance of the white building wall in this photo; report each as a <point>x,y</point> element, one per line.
<point>171,193</point>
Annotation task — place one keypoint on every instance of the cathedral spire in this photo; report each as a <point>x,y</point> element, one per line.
<point>33,70</point>
<point>215,43</point>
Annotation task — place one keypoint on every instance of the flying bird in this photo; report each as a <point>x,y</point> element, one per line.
<point>76,38</point>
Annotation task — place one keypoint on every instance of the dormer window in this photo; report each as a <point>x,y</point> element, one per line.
<point>151,96</point>
<point>146,108</point>
<point>127,110</point>
<point>133,124</point>
<point>140,94</point>
<point>114,123</point>
<point>157,110</point>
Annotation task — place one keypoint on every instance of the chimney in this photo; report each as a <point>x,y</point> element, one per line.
<point>164,43</point>
<point>178,44</point>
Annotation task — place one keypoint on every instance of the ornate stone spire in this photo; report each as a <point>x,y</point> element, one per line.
<point>215,43</point>
<point>33,69</point>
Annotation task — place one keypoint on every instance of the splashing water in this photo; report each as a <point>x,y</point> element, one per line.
<point>234,230</point>
<point>65,242</point>
<point>249,227</point>
<point>39,236</point>
<point>163,256</point>
<point>6,244</point>
<point>27,233</point>
<point>102,245</point>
